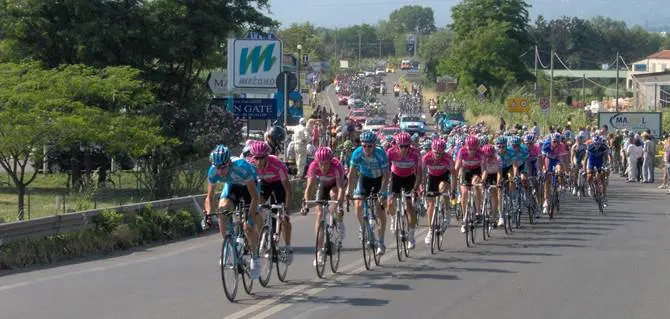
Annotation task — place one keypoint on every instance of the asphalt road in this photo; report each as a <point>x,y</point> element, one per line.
<point>580,265</point>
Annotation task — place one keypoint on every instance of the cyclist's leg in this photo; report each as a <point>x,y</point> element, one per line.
<point>226,203</point>
<point>476,178</point>
<point>409,186</point>
<point>465,176</point>
<point>395,187</point>
<point>359,195</point>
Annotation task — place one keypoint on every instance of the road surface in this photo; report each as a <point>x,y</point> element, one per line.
<point>580,265</point>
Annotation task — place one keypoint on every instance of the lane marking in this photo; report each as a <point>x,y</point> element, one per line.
<point>342,275</point>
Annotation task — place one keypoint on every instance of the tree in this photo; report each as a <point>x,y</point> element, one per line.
<point>306,35</point>
<point>490,38</point>
<point>434,49</point>
<point>45,107</point>
<point>413,18</point>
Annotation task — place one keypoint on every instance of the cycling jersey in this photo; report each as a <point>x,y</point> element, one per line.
<point>562,150</point>
<point>595,155</point>
<point>437,166</point>
<point>533,152</point>
<point>552,155</point>
<point>329,178</point>
<point>239,173</point>
<point>491,164</point>
<point>404,166</point>
<point>274,171</point>
<point>507,157</point>
<point>579,150</point>
<point>469,160</point>
<point>521,155</point>
<point>373,166</point>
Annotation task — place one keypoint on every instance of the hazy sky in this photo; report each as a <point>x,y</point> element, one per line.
<point>339,13</point>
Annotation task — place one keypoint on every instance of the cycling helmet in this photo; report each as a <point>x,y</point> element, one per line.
<point>434,135</point>
<point>415,137</point>
<point>427,144</point>
<point>438,146</point>
<point>459,141</point>
<point>260,149</point>
<point>403,139</point>
<point>581,137</point>
<point>472,142</point>
<point>569,135</point>
<point>389,138</point>
<point>597,140</point>
<point>483,140</point>
<point>488,149</point>
<point>501,140</point>
<point>368,137</point>
<point>529,138</point>
<point>347,145</point>
<point>516,140</point>
<point>220,155</point>
<point>323,154</point>
<point>556,137</point>
<point>277,134</point>
<point>311,149</point>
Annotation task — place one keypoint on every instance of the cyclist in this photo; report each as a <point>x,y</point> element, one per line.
<point>552,165</point>
<point>273,183</point>
<point>439,166</point>
<point>405,164</point>
<point>577,157</point>
<point>274,137</point>
<point>372,163</point>
<point>491,172</point>
<point>509,169</point>
<point>597,154</point>
<point>534,154</point>
<point>328,173</point>
<point>239,179</point>
<point>469,168</point>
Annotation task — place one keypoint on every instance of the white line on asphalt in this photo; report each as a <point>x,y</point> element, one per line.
<point>311,292</point>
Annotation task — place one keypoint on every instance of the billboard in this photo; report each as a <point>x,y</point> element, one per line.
<point>254,63</point>
<point>632,121</point>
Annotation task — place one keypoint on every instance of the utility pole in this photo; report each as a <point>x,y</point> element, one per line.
<point>584,88</point>
<point>380,48</point>
<point>337,55</point>
<point>616,107</point>
<point>536,58</point>
<point>359,49</point>
<point>551,80</point>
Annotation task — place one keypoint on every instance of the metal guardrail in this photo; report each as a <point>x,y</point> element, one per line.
<point>78,221</point>
<point>82,220</point>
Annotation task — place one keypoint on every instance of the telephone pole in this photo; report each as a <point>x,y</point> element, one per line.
<point>616,105</point>
<point>551,80</point>
<point>380,48</point>
<point>536,58</point>
<point>359,49</point>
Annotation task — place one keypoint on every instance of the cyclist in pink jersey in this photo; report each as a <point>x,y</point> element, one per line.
<point>469,168</point>
<point>439,167</point>
<point>492,173</point>
<point>328,173</point>
<point>273,183</point>
<point>405,164</point>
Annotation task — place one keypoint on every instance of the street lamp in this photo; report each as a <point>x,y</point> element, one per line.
<point>299,62</point>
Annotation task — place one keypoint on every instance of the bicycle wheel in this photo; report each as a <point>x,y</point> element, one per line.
<point>472,225</point>
<point>532,208</point>
<point>466,223</point>
<point>441,228</point>
<point>377,257</point>
<point>243,267</point>
<point>517,217</point>
<point>398,235</point>
<point>485,218</point>
<point>368,246</point>
<point>320,233</point>
<point>229,271</point>
<point>280,260</point>
<point>266,256</point>
<point>434,230</point>
<point>334,249</point>
<point>404,224</point>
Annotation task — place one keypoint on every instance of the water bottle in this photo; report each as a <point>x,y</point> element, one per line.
<point>240,241</point>
<point>373,221</point>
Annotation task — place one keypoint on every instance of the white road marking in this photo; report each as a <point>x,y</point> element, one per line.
<point>311,292</point>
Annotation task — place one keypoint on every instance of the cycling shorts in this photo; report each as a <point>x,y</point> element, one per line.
<point>468,174</point>
<point>324,191</point>
<point>399,183</point>
<point>531,169</point>
<point>506,171</point>
<point>366,185</point>
<point>552,165</point>
<point>593,164</point>
<point>274,190</point>
<point>238,193</point>
<point>491,179</point>
<point>434,181</point>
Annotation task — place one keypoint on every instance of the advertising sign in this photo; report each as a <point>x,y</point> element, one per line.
<point>631,121</point>
<point>517,105</point>
<point>255,109</point>
<point>254,63</point>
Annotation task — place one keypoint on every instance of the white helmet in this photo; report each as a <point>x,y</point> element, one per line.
<point>302,121</point>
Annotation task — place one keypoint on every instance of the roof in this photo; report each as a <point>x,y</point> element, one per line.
<point>651,74</point>
<point>665,54</point>
<point>601,74</point>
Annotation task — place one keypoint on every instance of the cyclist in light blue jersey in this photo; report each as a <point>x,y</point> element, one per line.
<point>373,164</point>
<point>239,183</point>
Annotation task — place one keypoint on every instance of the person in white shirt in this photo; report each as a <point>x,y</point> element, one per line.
<point>299,145</point>
<point>634,153</point>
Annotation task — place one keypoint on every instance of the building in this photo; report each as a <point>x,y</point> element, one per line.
<point>657,62</point>
<point>649,79</point>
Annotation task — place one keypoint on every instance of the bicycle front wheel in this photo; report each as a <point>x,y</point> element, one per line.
<point>229,273</point>
<point>321,236</point>
<point>398,236</point>
<point>368,246</point>
<point>334,250</point>
<point>266,255</point>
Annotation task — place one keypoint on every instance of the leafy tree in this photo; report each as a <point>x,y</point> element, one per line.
<point>434,49</point>
<point>413,18</point>
<point>45,107</point>
<point>306,35</point>
<point>490,37</point>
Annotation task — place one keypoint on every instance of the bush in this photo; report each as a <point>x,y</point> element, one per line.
<point>108,221</point>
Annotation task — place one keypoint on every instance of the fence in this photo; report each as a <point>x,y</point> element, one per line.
<point>81,220</point>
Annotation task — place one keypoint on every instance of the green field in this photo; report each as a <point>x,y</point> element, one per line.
<point>48,195</point>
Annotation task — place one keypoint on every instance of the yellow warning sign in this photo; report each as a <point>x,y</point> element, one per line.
<point>517,105</point>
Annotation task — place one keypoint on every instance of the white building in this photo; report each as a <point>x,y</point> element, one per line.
<point>657,62</point>
<point>649,79</point>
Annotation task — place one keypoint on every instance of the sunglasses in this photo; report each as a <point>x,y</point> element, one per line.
<point>224,166</point>
<point>368,145</point>
<point>403,146</point>
<point>260,157</point>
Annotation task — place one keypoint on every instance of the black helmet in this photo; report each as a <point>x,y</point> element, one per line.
<point>277,134</point>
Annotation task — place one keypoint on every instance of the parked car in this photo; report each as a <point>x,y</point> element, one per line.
<point>412,124</point>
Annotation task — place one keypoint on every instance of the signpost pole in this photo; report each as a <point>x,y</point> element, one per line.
<point>285,99</point>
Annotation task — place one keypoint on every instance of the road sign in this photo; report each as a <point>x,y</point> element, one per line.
<point>254,63</point>
<point>255,109</point>
<point>517,105</point>
<point>305,59</point>
<point>482,89</point>
<point>544,103</point>
<point>289,85</point>
<point>218,82</point>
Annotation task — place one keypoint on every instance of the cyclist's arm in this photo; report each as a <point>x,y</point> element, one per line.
<point>351,178</point>
<point>209,199</point>
<point>251,187</point>
<point>385,179</point>
<point>308,188</point>
<point>289,194</point>
<point>341,189</point>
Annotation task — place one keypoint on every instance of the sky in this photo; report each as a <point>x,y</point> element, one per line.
<point>341,13</point>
